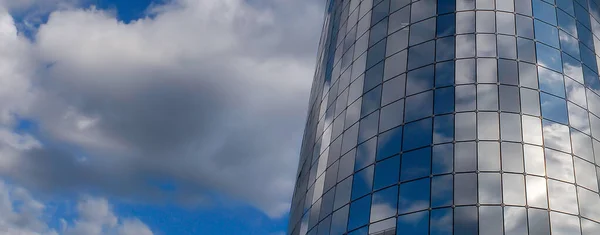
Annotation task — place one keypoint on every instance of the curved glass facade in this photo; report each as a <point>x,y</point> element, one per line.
<point>453,117</point>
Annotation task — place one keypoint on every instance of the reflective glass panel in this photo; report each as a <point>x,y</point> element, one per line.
<point>416,164</point>
<point>387,172</point>
<point>465,193</point>
<point>384,204</point>
<point>414,196</point>
<point>359,213</point>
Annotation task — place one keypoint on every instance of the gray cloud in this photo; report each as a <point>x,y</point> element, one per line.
<point>208,96</point>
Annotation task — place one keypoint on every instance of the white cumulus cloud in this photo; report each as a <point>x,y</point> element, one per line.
<point>206,96</point>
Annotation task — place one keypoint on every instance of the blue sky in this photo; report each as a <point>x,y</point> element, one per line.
<point>152,117</point>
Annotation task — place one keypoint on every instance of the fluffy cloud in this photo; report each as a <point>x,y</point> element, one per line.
<point>21,214</point>
<point>202,96</point>
<point>96,218</point>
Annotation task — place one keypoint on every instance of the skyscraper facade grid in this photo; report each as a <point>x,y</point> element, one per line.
<point>453,117</point>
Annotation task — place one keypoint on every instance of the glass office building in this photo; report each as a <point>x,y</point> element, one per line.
<point>453,117</point>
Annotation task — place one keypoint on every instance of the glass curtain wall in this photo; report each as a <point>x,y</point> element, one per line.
<point>453,117</point>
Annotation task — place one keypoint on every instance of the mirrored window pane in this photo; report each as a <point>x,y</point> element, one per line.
<point>384,204</point>
<point>526,50</point>
<point>465,71</point>
<point>530,102</point>
<point>544,11</point>
<point>510,127</point>
<point>395,65</point>
<point>444,49</point>
<point>446,25</point>
<point>490,189</point>
<point>589,203</point>
<point>419,80</point>
<point>575,92</point>
<point>441,191</point>
<point>556,136</point>
<point>339,221</point>
<point>486,45</point>
<point>443,127</point>
<point>536,192</point>
<point>487,71</point>
<point>441,221</point>
<point>465,22</point>
<point>362,183</point>
<point>465,156</point>
<point>416,223</point>
<point>422,10</point>
<point>414,196</point>
<point>465,126</point>
<point>589,227</point>
<point>534,160</point>
<point>386,172</point>
<point>393,90</point>
<point>368,127</point>
<point>505,21</point>
<point>399,19</point>
<point>524,26</point>
<point>390,116</point>
<point>559,165</point>
<point>551,82</point>
<point>513,188</point>
<point>382,226</point>
<point>359,213</point>
<point>376,53</point>
<point>507,47</point>
<point>490,220</point>
<point>539,222</point>
<point>444,74</point>
<point>532,130</point>
<point>509,99</point>
<point>416,164</point>
<point>487,97</point>
<point>564,224</point>
<point>422,54</point>
<point>507,72</point>
<point>422,31</point>
<point>488,126</point>
<point>546,33</point>
<point>466,47</point>
<point>582,145</point>
<point>528,75</point>
<point>465,5</point>
<point>342,193</point>
<point>420,133</point>
<point>388,143</point>
<point>512,157</point>
<point>466,220</point>
<point>397,4</point>
<point>380,10</point>
<point>488,156</point>
<point>585,175</point>
<point>569,45</point>
<point>443,159</point>
<point>515,220</point>
<point>346,166</point>
<point>554,108</point>
<point>465,193</point>
<point>396,42</point>
<point>548,57</point>
<point>444,100</point>
<point>371,101</point>
<point>562,197</point>
<point>465,98</point>
<point>378,32</point>
<point>486,22</point>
